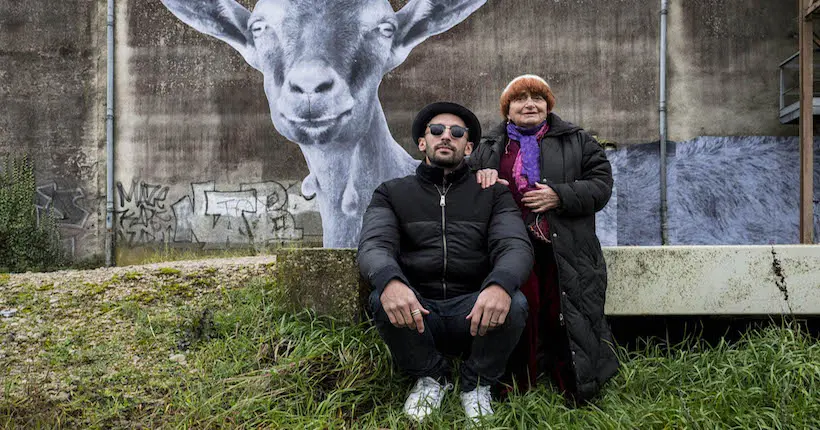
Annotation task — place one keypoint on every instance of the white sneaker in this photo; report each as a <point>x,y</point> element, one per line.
<point>424,398</point>
<point>476,403</point>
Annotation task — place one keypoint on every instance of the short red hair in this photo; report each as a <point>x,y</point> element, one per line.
<point>532,84</point>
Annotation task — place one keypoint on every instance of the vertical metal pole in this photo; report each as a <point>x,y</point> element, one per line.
<point>662,128</point>
<point>806,124</point>
<point>109,142</point>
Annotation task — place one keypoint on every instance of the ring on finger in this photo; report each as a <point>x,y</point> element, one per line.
<point>415,312</point>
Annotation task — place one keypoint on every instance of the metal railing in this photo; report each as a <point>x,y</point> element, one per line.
<point>790,79</point>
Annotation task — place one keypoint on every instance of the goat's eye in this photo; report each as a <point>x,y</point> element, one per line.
<point>258,27</point>
<point>387,29</point>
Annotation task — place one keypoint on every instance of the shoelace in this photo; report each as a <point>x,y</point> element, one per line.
<point>481,396</point>
<point>425,384</point>
<point>428,383</point>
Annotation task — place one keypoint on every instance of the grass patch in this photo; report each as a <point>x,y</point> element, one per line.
<point>232,358</point>
<point>169,271</point>
<point>132,276</point>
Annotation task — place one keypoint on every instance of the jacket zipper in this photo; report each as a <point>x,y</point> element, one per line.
<point>442,203</point>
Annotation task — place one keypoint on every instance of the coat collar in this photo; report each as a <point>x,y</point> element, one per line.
<point>558,127</point>
<point>436,175</point>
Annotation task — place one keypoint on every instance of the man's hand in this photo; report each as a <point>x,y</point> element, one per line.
<point>542,199</point>
<point>488,177</point>
<point>402,306</point>
<point>490,310</point>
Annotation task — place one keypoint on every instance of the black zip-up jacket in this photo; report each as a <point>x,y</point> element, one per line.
<point>447,246</point>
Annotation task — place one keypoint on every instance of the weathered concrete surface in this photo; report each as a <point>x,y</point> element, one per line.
<point>50,104</point>
<point>713,280</point>
<point>723,58</point>
<point>325,280</point>
<point>600,57</point>
<point>190,111</point>
<point>672,280</point>
<point>199,163</point>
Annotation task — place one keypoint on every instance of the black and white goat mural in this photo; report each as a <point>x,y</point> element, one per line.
<point>721,191</point>
<point>322,63</point>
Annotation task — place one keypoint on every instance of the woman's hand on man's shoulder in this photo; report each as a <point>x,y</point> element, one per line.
<point>488,177</point>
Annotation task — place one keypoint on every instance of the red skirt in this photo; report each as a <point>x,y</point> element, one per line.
<point>543,348</point>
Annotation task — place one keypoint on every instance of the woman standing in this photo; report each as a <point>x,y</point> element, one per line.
<point>559,176</point>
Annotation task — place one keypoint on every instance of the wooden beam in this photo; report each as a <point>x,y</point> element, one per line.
<point>806,121</point>
<point>816,40</point>
<point>810,7</point>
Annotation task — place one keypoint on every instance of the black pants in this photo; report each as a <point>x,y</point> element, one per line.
<point>447,334</point>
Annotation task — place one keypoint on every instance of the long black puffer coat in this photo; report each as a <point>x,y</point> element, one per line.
<point>575,166</point>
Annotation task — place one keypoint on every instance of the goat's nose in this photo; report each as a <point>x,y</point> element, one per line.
<point>311,87</point>
<point>310,80</point>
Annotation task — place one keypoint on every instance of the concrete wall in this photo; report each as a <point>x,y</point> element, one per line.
<point>200,164</point>
<point>187,99</point>
<point>193,120</point>
<point>723,58</point>
<point>600,57</point>
<point>51,107</point>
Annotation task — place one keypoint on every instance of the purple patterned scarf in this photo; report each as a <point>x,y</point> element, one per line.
<point>528,139</point>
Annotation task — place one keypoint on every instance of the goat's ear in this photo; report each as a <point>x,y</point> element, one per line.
<point>226,20</point>
<point>420,19</point>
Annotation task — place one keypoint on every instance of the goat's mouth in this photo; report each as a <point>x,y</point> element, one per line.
<point>318,123</point>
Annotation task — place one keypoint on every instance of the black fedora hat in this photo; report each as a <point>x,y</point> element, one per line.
<point>428,112</point>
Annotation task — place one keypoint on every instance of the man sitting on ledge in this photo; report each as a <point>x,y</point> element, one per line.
<point>445,260</point>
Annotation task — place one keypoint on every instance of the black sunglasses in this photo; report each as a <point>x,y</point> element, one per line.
<point>455,130</point>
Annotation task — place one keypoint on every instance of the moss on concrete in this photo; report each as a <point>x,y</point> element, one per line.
<point>325,280</point>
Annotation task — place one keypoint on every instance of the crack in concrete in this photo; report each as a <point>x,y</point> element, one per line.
<point>780,279</point>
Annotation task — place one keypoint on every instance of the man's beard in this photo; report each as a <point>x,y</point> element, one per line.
<point>445,162</point>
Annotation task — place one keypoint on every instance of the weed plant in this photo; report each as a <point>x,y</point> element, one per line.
<point>29,240</point>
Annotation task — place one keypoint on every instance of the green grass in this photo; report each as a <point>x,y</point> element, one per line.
<point>247,364</point>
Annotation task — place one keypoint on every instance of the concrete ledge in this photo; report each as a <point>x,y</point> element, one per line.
<point>713,280</point>
<point>662,281</point>
<point>643,280</point>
